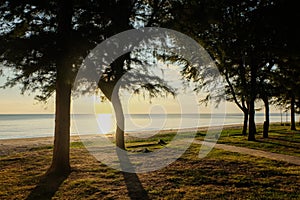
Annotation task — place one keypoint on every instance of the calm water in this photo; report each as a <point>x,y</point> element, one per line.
<point>29,126</point>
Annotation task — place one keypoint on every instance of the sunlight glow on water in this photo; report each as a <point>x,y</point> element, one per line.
<point>29,126</point>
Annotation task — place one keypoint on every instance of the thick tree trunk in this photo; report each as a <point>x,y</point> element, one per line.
<point>267,118</point>
<point>61,161</point>
<point>246,117</point>
<point>293,122</point>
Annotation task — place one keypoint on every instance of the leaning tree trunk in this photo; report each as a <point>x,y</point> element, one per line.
<point>246,117</point>
<point>111,92</point>
<point>61,161</point>
<point>293,122</point>
<point>267,118</point>
<point>110,87</point>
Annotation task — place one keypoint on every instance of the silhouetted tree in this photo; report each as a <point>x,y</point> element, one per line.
<point>246,40</point>
<point>44,44</point>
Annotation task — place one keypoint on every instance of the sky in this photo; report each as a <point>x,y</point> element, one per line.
<point>12,102</point>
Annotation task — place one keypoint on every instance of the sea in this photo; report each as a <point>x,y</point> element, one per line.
<point>42,125</point>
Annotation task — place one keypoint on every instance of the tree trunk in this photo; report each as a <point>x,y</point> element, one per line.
<point>110,88</point>
<point>120,141</point>
<point>267,118</point>
<point>246,117</point>
<point>293,122</point>
<point>252,128</point>
<point>111,91</point>
<point>61,159</point>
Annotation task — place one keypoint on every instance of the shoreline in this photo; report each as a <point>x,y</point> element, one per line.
<point>129,132</point>
<point>17,145</point>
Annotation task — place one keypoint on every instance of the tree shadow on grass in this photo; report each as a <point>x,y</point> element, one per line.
<point>284,140</point>
<point>266,141</point>
<point>134,186</point>
<point>47,187</point>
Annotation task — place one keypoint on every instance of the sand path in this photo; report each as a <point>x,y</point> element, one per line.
<point>254,152</point>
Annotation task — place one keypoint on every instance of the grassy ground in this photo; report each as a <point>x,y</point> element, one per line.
<point>281,139</point>
<point>221,175</point>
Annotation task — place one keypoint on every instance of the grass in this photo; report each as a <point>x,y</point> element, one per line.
<point>220,175</point>
<point>281,139</point>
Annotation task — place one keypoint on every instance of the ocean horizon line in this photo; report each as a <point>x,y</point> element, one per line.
<point>230,113</point>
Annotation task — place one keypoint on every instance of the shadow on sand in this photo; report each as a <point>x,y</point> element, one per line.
<point>134,186</point>
<point>47,187</point>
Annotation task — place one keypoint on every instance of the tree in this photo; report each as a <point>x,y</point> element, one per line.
<point>151,13</point>
<point>266,92</point>
<point>286,80</point>
<point>232,41</point>
<point>45,47</point>
<point>35,60</point>
<point>280,19</point>
<point>60,160</point>
<point>247,39</point>
<point>131,73</point>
